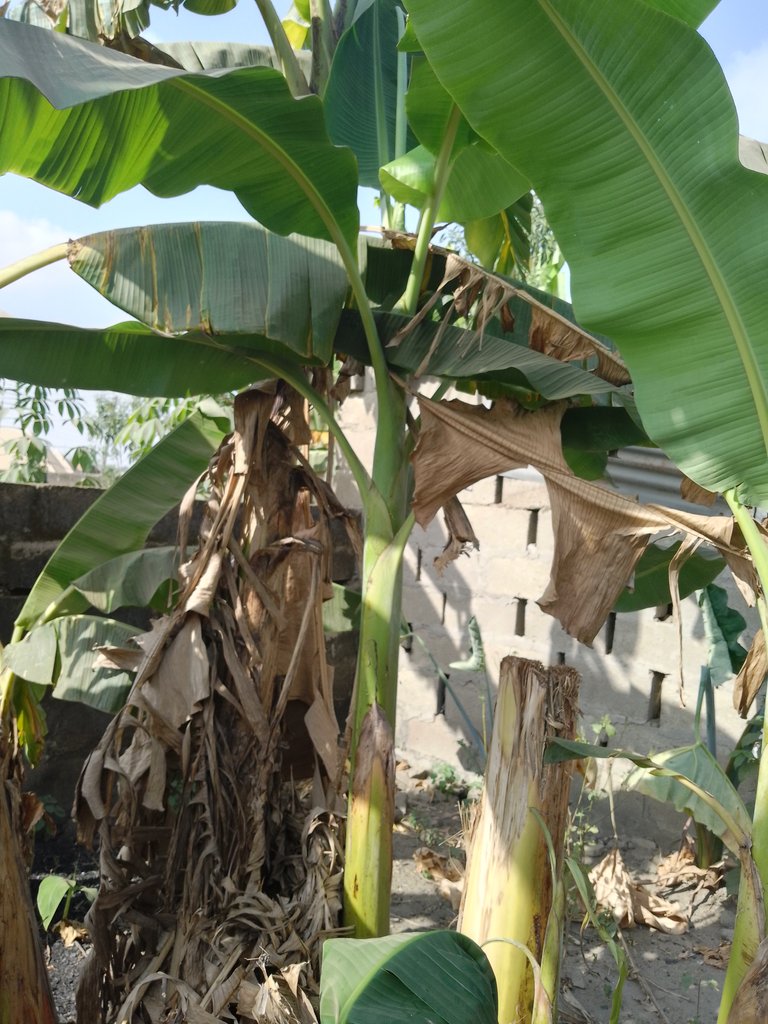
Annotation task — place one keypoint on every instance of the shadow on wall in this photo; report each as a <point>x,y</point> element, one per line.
<point>631,674</point>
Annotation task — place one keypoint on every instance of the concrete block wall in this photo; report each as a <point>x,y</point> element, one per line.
<point>630,674</point>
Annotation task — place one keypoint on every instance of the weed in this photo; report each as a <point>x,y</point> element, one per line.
<point>55,890</point>
<point>445,778</point>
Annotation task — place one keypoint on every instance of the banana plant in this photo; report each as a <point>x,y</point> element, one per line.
<point>222,306</point>
<point>203,323</point>
<point>632,147</point>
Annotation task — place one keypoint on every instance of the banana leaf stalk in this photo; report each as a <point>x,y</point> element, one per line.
<point>510,890</point>
<point>749,929</point>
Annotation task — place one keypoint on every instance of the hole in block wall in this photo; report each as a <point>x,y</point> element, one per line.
<point>654,702</point>
<point>561,657</point>
<point>520,616</point>
<point>418,564</point>
<point>441,690</point>
<point>533,526</point>
<point>610,632</point>
<point>499,490</point>
<point>407,642</point>
<point>663,612</point>
<point>443,609</point>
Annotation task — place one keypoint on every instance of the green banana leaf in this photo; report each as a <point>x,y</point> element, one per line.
<point>462,354</point>
<point>120,520</point>
<point>62,653</point>
<point>722,626</point>
<point>205,56</point>
<point>621,119</point>
<point>360,97</point>
<point>220,279</point>
<point>689,777</point>
<point>92,123</point>
<point>129,357</point>
<point>430,108</point>
<point>651,579</point>
<point>341,613</point>
<point>52,891</point>
<point>439,977</point>
<point>600,429</point>
<point>104,19</point>
<point>590,433</point>
<point>131,580</point>
<point>480,183</point>
<point>188,278</point>
<point>696,763</point>
<point>503,242</point>
<point>693,12</point>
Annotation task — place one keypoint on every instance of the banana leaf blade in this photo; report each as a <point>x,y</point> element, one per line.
<point>130,358</point>
<point>663,777</point>
<point>92,122</point>
<point>650,586</point>
<point>220,279</point>
<point>62,654</point>
<point>129,581</point>
<point>121,518</point>
<point>442,977</point>
<point>622,120</point>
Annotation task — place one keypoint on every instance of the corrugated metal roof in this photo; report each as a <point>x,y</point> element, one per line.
<point>643,473</point>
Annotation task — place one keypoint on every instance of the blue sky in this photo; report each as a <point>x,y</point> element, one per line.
<point>33,217</point>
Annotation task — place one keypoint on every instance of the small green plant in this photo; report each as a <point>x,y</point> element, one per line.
<point>55,890</point>
<point>604,729</point>
<point>445,778</point>
<point>704,983</point>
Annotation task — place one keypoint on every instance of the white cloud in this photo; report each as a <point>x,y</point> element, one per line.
<point>23,236</point>
<point>747,75</point>
<point>54,292</point>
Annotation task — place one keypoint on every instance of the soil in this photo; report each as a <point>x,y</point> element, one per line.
<point>674,979</point>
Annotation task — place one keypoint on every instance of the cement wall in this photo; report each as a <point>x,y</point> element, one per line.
<point>631,676</point>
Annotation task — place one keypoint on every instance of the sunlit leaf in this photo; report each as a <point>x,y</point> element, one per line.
<point>93,123</point>
<point>621,119</point>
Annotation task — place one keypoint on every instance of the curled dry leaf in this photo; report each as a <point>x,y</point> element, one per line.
<point>599,534</point>
<point>460,535</point>
<point>437,865</point>
<point>117,658</point>
<point>691,491</point>
<point>70,932</point>
<point>181,683</point>
<point>751,676</point>
<point>553,335</point>
<point>447,872</point>
<point>679,866</point>
<point>717,956</point>
<point>631,904</point>
<point>31,811</point>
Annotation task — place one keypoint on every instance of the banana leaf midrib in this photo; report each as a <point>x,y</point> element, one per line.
<point>708,260</point>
